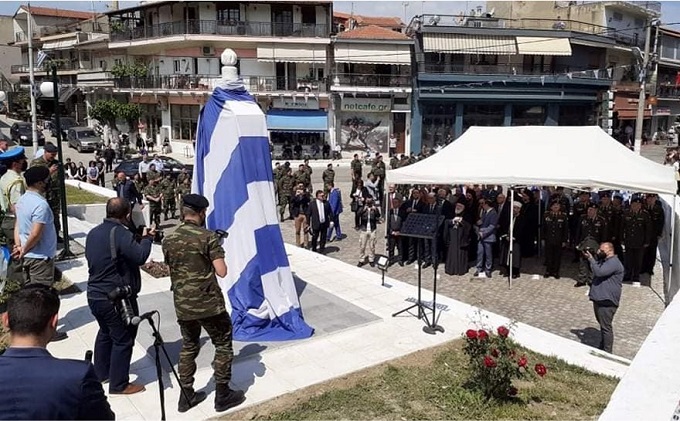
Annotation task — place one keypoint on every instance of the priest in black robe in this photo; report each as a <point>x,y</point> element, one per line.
<point>518,234</point>
<point>457,233</point>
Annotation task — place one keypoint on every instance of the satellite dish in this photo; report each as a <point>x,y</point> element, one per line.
<point>490,13</point>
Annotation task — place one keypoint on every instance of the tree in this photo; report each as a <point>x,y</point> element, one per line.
<point>106,111</point>
<point>130,113</point>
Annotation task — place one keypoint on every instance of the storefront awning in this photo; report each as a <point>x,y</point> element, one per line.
<point>59,45</point>
<point>631,114</point>
<point>373,53</point>
<point>292,53</point>
<point>469,44</point>
<point>309,121</point>
<point>541,46</point>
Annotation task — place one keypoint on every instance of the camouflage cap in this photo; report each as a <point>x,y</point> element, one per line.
<point>195,202</point>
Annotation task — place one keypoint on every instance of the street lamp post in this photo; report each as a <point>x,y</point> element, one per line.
<point>52,89</point>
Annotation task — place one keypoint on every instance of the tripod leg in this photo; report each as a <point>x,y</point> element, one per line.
<point>159,374</point>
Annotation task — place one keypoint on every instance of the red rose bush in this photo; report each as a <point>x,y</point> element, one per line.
<point>494,362</point>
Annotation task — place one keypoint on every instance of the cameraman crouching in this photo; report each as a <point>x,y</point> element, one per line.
<point>113,260</point>
<point>605,293</point>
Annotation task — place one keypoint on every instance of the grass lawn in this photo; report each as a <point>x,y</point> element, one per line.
<point>76,196</point>
<point>429,385</point>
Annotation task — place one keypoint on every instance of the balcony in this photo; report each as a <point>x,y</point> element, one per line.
<point>254,84</point>
<point>517,70</point>
<point>371,80</point>
<point>23,36</point>
<point>61,65</point>
<point>668,92</point>
<point>214,27</point>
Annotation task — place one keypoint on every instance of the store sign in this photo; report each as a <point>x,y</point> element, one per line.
<point>366,105</point>
<point>299,103</point>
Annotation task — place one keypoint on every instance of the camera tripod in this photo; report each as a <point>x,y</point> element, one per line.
<point>159,346</point>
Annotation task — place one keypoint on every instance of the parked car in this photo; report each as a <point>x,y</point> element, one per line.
<point>131,166</point>
<point>21,133</point>
<point>66,123</point>
<point>83,139</point>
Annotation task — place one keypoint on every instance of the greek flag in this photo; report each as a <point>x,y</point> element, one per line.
<point>40,59</point>
<point>233,171</point>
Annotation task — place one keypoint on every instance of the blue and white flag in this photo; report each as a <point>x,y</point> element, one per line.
<point>42,56</point>
<point>233,171</point>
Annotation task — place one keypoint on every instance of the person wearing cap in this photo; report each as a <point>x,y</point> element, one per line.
<point>590,232</point>
<point>53,193</point>
<point>196,258</point>
<point>637,233</point>
<point>12,187</point>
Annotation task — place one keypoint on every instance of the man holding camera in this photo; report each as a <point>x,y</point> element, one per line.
<point>605,292</point>
<point>196,257</point>
<point>369,217</point>
<point>113,258</point>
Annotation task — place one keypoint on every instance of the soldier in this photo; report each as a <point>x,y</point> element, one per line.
<point>579,209</point>
<point>154,194</point>
<point>196,257</point>
<point>394,162</point>
<point>617,224</point>
<point>637,232</point>
<point>53,193</point>
<point>12,187</point>
<point>328,178</point>
<point>655,211</point>
<point>276,174</point>
<point>558,195</point>
<point>152,174</point>
<point>182,176</point>
<point>555,234</point>
<point>379,171</point>
<point>302,177</point>
<point>590,232</point>
<point>169,197</point>
<point>286,184</point>
<point>612,218</point>
<point>356,171</point>
<point>139,182</point>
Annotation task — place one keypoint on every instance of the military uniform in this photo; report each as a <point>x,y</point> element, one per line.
<point>155,207</point>
<point>356,166</point>
<point>12,187</point>
<point>309,172</point>
<point>302,177</point>
<point>580,208</point>
<point>593,231</point>
<point>637,231</point>
<point>181,177</point>
<point>657,220</point>
<point>199,303</point>
<point>394,162</point>
<point>328,178</point>
<point>379,171</point>
<point>286,184</point>
<point>555,234</point>
<point>152,175</point>
<point>169,198</point>
<point>53,193</point>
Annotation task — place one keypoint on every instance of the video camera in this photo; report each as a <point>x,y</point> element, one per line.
<point>590,246</point>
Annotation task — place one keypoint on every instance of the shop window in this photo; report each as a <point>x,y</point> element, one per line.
<point>483,115</point>
<point>483,60</point>
<point>528,115</point>
<point>184,121</point>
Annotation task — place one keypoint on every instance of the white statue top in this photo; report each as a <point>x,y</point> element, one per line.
<point>229,71</point>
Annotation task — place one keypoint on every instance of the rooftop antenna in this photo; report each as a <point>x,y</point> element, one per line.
<point>404,4</point>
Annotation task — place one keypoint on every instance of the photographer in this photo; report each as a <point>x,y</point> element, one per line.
<point>605,293</point>
<point>113,259</point>
<point>369,219</point>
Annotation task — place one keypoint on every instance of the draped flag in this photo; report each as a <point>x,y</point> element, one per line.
<point>233,171</point>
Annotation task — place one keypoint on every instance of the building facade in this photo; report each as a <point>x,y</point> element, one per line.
<point>283,61</point>
<point>666,106</point>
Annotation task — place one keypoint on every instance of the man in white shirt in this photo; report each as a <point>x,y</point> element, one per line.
<point>370,217</point>
<point>393,144</point>
<point>158,163</point>
<point>144,167</point>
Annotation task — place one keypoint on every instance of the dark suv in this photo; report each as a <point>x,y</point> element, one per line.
<point>22,134</point>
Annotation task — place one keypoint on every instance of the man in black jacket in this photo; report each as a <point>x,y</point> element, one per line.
<point>319,217</point>
<point>115,339</point>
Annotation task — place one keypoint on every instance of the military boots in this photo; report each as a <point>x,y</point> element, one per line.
<point>226,398</point>
<point>194,399</point>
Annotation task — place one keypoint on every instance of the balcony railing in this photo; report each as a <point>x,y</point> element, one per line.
<point>23,36</point>
<point>214,27</point>
<point>668,91</point>
<point>513,70</point>
<point>61,65</point>
<point>254,84</point>
<point>371,80</point>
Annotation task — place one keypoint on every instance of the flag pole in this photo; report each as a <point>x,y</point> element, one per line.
<point>31,72</point>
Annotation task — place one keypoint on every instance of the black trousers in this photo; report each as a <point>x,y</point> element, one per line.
<point>633,263</point>
<point>553,259</point>
<point>394,242</point>
<point>319,237</point>
<point>604,314</point>
<point>649,258</point>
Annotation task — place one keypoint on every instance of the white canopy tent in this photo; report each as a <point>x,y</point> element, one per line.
<point>574,157</point>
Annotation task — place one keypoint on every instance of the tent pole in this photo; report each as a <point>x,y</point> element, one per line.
<point>670,257</point>
<point>512,223</point>
<point>540,222</point>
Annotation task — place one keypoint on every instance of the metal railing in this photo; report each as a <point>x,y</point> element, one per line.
<point>521,70</point>
<point>254,84</point>
<point>61,65</point>
<point>377,80</point>
<point>215,27</point>
<point>23,36</point>
<point>670,91</point>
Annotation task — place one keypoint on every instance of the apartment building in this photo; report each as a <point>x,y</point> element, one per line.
<point>283,60</point>
<point>666,99</point>
<point>371,86</point>
<point>66,36</point>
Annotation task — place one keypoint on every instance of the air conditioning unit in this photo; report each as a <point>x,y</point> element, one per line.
<point>208,51</point>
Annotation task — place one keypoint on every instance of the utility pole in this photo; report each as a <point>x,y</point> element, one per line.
<point>31,77</point>
<point>639,122</point>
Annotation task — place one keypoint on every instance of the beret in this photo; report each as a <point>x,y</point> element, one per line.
<point>195,201</point>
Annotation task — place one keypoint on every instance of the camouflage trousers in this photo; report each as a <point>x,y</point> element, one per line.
<point>220,331</point>
<point>155,214</point>
<point>170,206</point>
<point>15,271</point>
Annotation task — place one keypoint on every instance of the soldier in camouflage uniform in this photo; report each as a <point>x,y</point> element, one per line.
<point>379,171</point>
<point>152,174</point>
<point>309,172</point>
<point>154,194</point>
<point>555,234</point>
<point>183,189</point>
<point>169,197</point>
<point>655,211</point>
<point>182,176</point>
<point>578,210</point>
<point>328,178</point>
<point>286,184</point>
<point>301,176</point>
<point>357,175</point>
<point>637,232</point>
<point>195,258</point>
<point>590,232</point>
<point>53,193</point>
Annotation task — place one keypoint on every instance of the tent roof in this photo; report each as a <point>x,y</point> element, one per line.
<point>575,157</point>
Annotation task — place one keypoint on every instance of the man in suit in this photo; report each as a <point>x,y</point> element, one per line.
<point>394,239</point>
<point>319,215</point>
<point>486,233</point>
<point>37,385</point>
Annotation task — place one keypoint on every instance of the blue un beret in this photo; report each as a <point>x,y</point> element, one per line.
<point>13,154</point>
